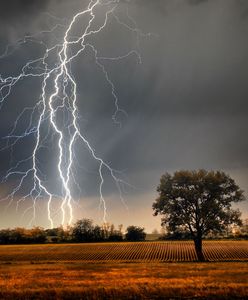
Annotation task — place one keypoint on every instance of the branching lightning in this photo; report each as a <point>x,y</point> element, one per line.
<point>59,93</point>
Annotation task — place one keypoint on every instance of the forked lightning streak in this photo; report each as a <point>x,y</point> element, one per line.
<point>59,93</point>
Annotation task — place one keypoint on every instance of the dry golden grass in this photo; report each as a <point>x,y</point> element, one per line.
<point>148,270</point>
<point>227,280</point>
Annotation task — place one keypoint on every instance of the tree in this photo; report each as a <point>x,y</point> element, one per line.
<point>197,202</point>
<point>5,236</point>
<point>244,229</point>
<point>135,233</point>
<point>98,234</point>
<point>58,234</point>
<point>19,235</point>
<point>83,230</point>
<point>38,235</point>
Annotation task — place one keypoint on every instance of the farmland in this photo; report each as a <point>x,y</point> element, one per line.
<point>172,251</point>
<point>142,270</point>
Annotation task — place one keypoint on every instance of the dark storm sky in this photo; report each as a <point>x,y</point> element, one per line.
<point>186,103</point>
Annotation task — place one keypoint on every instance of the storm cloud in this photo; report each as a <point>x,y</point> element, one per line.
<point>186,102</point>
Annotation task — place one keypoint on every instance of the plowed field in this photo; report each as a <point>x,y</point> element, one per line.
<point>176,251</point>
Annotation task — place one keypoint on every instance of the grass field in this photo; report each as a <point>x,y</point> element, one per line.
<point>66,272</point>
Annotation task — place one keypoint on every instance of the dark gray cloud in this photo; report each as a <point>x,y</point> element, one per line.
<point>19,18</point>
<point>18,15</point>
<point>186,103</point>
<point>196,1</point>
<point>17,9</point>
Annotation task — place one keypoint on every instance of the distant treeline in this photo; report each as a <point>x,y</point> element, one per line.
<point>82,231</point>
<point>86,231</point>
<point>228,232</point>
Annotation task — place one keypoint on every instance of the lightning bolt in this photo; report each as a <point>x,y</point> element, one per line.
<point>59,93</point>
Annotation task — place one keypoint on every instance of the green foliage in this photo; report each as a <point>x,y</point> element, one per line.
<point>135,233</point>
<point>197,202</point>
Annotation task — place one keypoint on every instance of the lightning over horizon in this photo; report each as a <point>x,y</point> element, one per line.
<point>98,98</point>
<point>54,118</point>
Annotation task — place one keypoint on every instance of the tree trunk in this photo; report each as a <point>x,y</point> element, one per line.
<point>198,248</point>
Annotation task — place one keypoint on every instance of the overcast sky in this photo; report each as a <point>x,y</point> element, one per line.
<point>186,103</point>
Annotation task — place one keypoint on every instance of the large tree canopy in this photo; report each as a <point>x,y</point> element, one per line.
<point>197,202</point>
